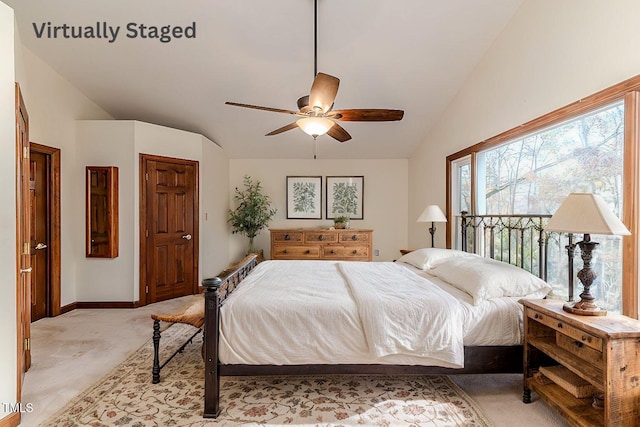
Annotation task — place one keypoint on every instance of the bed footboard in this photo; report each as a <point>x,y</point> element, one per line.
<point>217,290</point>
<point>477,359</point>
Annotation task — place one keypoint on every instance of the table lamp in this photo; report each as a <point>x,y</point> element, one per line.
<point>588,214</point>
<point>432,214</point>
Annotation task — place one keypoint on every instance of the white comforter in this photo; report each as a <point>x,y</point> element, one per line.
<point>403,313</point>
<point>324,312</point>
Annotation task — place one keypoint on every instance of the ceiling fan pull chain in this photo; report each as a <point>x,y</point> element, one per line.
<point>315,147</point>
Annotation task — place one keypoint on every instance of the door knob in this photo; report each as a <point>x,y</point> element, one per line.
<point>40,246</point>
<point>187,237</point>
<point>26,270</point>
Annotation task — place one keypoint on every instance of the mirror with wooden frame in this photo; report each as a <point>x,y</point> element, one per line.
<point>102,211</point>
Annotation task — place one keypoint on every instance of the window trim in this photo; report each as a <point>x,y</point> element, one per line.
<point>629,91</point>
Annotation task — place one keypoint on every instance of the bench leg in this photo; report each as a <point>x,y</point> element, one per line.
<point>155,371</point>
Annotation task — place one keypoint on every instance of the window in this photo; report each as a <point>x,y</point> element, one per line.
<point>461,180</point>
<point>532,168</point>
<point>533,175</point>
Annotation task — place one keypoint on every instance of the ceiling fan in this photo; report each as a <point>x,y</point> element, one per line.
<point>315,110</point>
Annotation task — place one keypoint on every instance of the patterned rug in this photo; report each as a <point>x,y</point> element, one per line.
<point>126,397</point>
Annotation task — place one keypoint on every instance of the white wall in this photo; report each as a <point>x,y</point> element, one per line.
<point>54,105</point>
<point>120,143</point>
<point>385,198</point>
<point>214,204</point>
<point>8,266</point>
<point>550,54</point>
<point>106,143</point>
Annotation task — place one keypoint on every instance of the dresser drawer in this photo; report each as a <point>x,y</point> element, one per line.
<point>345,252</point>
<point>579,349</point>
<point>318,243</point>
<point>566,329</point>
<point>286,236</point>
<point>295,252</point>
<point>320,237</point>
<point>353,237</point>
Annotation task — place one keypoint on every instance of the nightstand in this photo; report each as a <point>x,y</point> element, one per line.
<point>603,351</point>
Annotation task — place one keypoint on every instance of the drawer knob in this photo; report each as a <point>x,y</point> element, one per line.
<point>559,325</point>
<point>579,344</point>
<point>284,251</point>
<point>321,237</point>
<point>307,251</point>
<point>537,316</point>
<point>355,251</point>
<point>287,237</point>
<point>354,237</point>
<point>332,251</point>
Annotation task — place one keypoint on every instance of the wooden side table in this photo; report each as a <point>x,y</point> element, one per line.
<point>601,350</point>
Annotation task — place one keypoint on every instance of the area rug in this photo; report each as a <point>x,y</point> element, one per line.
<point>126,397</point>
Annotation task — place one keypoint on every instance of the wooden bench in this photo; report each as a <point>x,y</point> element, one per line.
<point>194,314</point>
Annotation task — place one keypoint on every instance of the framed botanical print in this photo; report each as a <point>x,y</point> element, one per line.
<point>345,197</point>
<point>304,197</point>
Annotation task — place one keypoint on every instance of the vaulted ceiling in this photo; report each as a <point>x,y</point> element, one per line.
<point>408,54</point>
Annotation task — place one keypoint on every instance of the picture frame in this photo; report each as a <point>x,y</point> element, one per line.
<point>345,197</point>
<point>304,197</point>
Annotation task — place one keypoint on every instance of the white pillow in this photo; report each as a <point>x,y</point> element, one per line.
<point>428,258</point>
<point>485,278</point>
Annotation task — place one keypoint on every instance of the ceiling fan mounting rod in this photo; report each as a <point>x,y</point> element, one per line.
<point>317,116</point>
<point>315,38</point>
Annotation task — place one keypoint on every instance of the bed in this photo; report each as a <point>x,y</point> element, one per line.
<point>434,311</point>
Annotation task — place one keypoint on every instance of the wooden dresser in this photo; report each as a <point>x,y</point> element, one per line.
<point>316,243</point>
<point>603,351</point>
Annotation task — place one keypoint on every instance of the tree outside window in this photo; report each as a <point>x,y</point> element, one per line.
<point>534,174</point>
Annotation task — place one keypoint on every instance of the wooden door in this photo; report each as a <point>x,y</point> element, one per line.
<point>102,240</point>
<point>170,249</point>
<point>23,292</point>
<point>47,191</point>
<point>40,284</point>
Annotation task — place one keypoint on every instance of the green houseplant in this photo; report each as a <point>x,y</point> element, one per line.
<point>341,221</point>
<point>252,212</point>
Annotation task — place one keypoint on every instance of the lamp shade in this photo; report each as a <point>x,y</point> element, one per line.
<point>432,213</point>
<point>588,214</point>
<point>315,126</point>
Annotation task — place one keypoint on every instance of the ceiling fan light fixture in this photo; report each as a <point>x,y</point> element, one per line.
<point>315,126</point>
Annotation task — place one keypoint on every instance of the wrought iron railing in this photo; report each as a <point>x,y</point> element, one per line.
<point>517,239</point>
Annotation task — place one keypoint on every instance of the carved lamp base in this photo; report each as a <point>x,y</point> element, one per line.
<point>586,305</point>
<point>584,308</point>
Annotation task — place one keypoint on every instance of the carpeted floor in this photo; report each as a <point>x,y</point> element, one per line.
<point>126,397</point>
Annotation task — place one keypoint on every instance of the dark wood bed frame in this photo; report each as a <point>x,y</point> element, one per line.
<point>486,359</point>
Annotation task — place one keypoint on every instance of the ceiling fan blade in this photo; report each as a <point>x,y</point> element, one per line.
<point>338,132</point>
<point>323,92</point>
<point>283,129</point>
<point>367,115</point>
<point>257,107</point>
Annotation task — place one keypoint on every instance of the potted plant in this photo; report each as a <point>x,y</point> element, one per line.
<point>341,221</point>
<point>252,212</point>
